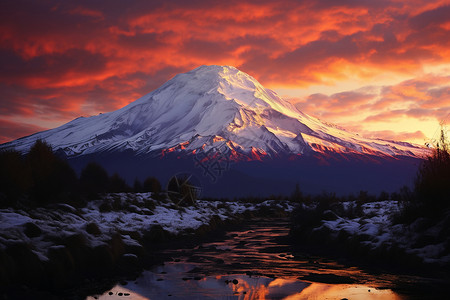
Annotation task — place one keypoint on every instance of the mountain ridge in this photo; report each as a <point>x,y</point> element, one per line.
<point>217,118</point>
<point>211,107</point>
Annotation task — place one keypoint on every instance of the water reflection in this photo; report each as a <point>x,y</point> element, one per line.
<point>343,291</point>
<point>240,287</point>
<point>250,264</point>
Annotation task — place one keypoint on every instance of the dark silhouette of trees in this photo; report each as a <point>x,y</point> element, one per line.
<point>432,185</point>
<point>297,194</point>
<point>53,180</point>
<point>137,186</point>
<point>94,180</point>
<point>430,197</point>
<point>117,184</point>
<point>41,177</point>
<point>15,177</point>
<point>152,184</point>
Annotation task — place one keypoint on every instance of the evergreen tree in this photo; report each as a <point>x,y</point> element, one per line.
<point>94,180</point>
<point>297,194</point>
<point>117,184</point>
<point>432,185</point>
<point>15,177</point>
<point>137,186</point>
<point>53,180</point>
<point>152,184</point>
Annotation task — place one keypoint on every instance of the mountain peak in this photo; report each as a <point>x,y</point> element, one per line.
<point>234,85</point>
<point>210,106</point>
<point>214,68</point>
<point>213,77</point>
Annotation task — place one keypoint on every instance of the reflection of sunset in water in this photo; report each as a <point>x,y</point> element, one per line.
<point>341,291</point>
<point>247,292</point>
<point>246,289</point>
<point>118,292</point>
<point>249,288</point>
<point>248,264</point>
<point>279,282</point>
<point>313,291</point>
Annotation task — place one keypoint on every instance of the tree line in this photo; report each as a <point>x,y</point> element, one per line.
<point>41,177</point>
<point>430,196</point>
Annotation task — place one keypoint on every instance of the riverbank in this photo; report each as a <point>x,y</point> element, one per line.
<point>254,260</point>
<point>370,236</point>
<point>250,261</point>
<point>60,248</point>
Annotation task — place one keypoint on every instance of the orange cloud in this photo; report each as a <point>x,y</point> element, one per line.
<point>391,135</point>
<point>418,104</point>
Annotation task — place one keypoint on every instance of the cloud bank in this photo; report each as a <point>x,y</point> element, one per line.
<point>63,59</point>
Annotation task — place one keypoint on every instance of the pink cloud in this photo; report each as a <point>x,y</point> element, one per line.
<point>395,136</point>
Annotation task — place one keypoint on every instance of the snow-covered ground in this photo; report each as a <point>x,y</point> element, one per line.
<point>42,228</point>
<point>374,227</point>
<point>131,215</point>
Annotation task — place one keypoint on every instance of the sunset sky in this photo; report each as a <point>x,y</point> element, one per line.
<point>380,68</point>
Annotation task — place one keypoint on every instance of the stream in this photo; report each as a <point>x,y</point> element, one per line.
<point>253,263</point>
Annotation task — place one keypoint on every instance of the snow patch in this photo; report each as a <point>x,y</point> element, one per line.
<point>374,226</point>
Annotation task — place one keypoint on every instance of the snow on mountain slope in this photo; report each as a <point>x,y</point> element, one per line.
<point>211,106</point>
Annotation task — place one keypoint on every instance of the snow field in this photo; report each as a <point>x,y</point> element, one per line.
<point>134,217</point>
<point>375,228</point>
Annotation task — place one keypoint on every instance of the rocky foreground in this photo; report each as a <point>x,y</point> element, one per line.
<point>54,248</point>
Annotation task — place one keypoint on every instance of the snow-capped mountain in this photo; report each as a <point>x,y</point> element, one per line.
<point>211,106</point>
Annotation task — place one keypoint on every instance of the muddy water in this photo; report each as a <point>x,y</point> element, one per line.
<point>252,263</point>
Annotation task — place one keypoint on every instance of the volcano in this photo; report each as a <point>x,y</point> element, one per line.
<point>219,116</point>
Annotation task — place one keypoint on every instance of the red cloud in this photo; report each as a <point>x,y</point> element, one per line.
<point>10,130</point>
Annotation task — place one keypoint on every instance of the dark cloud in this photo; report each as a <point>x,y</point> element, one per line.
<point>10,130</point>
<point>212,50</point>
<point>143,41</point>
<point>319,51</point>
<point>439,97</point>
<point>431,18</point>
<point>327,4</point>
<point>50,68</point>
<point>45,103</point>
<point>15,101</point>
